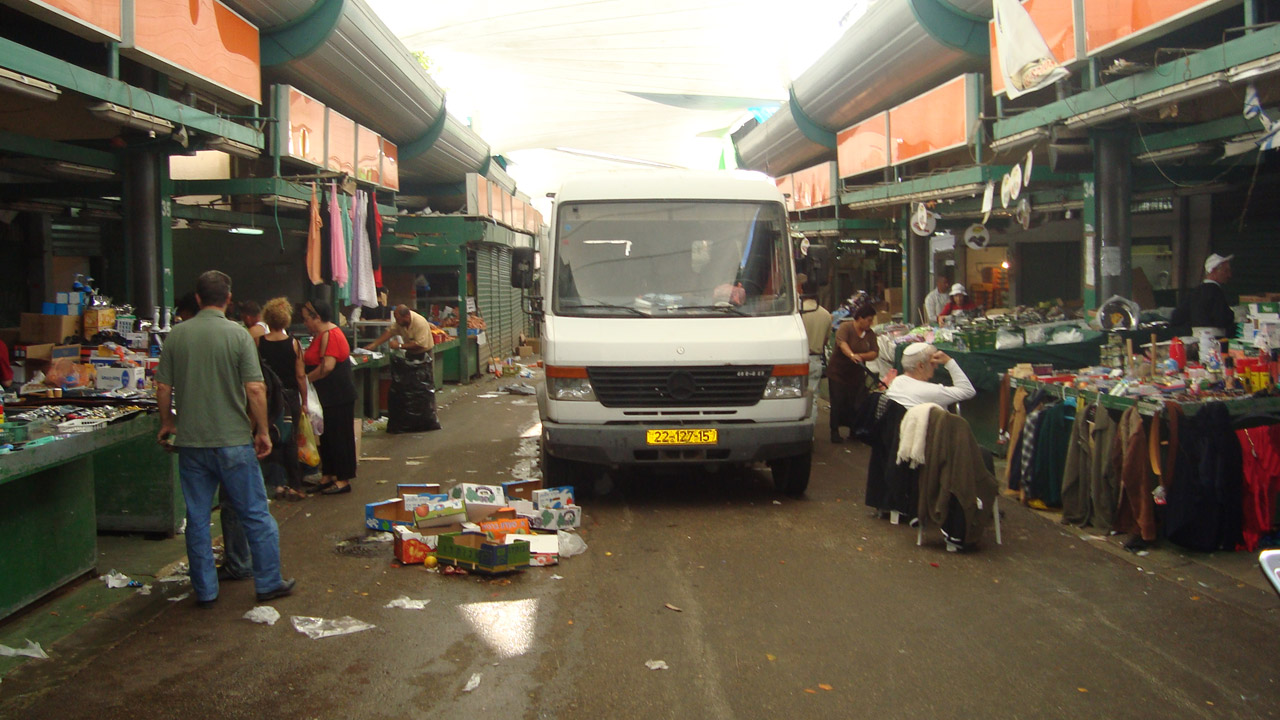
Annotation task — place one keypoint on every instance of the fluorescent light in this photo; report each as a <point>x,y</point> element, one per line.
<point>282,200</point>
<point>245,231</point>
<point>61,167</point>
<point>1115,111</point>
<point>1019,140</point>
<point>233,147</point>
<point>1254,68</point>
<point>131,118</point>
<point>889,249</point>
<point>939,194</point>
<point>1182,91</point>
<point>1178,153</point>
<point>28,86</point>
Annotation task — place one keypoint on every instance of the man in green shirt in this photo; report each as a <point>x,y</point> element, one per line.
<point>211,366</point>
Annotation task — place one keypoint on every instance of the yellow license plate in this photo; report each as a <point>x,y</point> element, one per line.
<point>680,436</point>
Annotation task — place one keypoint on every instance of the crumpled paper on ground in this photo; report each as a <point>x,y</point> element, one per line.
<point>570,544</point>
<point>656,665</point>
<point>263,614</point>
<point>116,579</point>
<point>32,650</point>
<point>519,389</point>
<point>316,628</point>
<point>473,683</point>
<point>405,602</point>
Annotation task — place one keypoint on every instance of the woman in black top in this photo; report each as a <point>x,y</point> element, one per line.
<point>283,355</point>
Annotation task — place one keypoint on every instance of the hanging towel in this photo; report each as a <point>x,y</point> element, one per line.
<point>344,210</point>
<point>313,240</point>
<point>337,245</point>
<point>1026,62</point>
<point>913,434</point>
<point>363,290</point>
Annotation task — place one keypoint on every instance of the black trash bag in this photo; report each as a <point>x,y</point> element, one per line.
<point>411,400</point>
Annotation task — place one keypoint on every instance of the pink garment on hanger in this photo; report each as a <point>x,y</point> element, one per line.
<point>337,242</point>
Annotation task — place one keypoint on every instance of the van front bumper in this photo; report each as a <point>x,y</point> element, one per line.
<point>626,444</point>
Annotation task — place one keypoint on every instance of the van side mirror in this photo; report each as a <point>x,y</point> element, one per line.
<point>820,264</point>
<point>522,259</point>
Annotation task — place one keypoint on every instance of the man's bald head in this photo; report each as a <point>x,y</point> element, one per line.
<point>402,315</point>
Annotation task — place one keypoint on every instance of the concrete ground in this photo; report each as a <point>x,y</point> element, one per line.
<point>759,606</point>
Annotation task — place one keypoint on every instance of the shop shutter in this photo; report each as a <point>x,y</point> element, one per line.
<point>499,303</point>
<point>74,238</point>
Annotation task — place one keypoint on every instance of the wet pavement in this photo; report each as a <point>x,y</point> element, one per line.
<point>760,606</point>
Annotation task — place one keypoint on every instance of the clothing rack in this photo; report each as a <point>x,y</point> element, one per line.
<point>1241,407</point>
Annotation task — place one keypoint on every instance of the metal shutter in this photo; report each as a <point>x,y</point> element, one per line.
<point>499,303</point>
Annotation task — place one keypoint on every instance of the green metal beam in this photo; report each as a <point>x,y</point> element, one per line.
<point>22,59</point>
<point>301,36</point>
<point>262,220</point>
<point>939,183</point>
<point>243,186</point>
<point>842,224</point>
<point>1243,49</point>
<point>54,150</point>
<point>60,190</point>
<point>808,127</point>
<point>952,26</point>
<point>1219,129</point>
<point>414,148</point>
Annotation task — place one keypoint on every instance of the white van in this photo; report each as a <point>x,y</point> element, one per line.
<point>670,326</point>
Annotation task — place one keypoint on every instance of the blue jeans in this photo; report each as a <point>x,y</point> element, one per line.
<point>236,555</point>
<point>236,469</point>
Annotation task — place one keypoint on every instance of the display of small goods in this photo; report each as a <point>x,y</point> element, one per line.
<point>31,427</point>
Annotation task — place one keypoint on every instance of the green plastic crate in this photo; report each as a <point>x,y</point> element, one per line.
<point>475,552</point>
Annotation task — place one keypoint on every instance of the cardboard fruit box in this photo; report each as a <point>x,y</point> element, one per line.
<point>479,554</point>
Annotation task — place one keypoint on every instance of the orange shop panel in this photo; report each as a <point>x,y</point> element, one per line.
<point>93,19</point>
<point>390,165</point>
<point>202,41</point>
<point>1056,21</point>
<point>930,123</point>
<point>1109,22</point>
<point>368,152</point>
<point>305,126</point>
<point>813,186</point>
<point>340,143</point>
<point>863,147</point>
<point>786,186</point>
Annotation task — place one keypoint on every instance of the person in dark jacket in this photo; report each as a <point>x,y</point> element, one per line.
<point>1207,306</point>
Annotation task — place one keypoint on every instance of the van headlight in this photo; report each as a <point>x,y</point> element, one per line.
<point>570,388</point>
<point>782,387</point>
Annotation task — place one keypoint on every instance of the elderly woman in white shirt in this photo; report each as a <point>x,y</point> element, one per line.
<point>915,387</point>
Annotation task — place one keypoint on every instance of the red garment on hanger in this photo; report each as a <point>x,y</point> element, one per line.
<point>1260,448</point>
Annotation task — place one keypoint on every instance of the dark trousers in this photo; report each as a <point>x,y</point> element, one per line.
<point>845,398</point>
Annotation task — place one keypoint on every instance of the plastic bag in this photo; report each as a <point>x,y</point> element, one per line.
<point>316,628</point>
<point>411,400</point>
<point>570,544</point>
<point>263,614</point>
<point>315,412</point>
<point>308,449</point>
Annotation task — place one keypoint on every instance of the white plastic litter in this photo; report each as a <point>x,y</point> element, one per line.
<point>570,544</point>
<point>405,602</point>
<point>656,665</point>
<point>144,590</point>
<point>263,614</point>
<point>116,579</point>
<point>557,577</point>
<point>1062,337</point>
<point>180,598</point>
<point>316,628</point>
<point>32,650</point>
<point>381,537</point>
<point>473,683</point>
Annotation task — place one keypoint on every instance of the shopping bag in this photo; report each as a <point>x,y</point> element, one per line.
<point>308,451</point>
<point>315,412</point>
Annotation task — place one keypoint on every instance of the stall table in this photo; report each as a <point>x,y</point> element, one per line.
<point>49,512</point>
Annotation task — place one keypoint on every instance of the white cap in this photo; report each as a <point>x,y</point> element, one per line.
<point>957,289</point>
<point>917,348</point>
<point>1214,260</point>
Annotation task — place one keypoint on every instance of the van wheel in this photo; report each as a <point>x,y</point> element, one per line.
<point>558,472</point>
<point>791,474</point>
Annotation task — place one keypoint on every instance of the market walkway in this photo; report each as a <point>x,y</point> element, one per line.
<point>759,606</point>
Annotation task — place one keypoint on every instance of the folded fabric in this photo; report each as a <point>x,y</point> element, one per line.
<point>913,433</point>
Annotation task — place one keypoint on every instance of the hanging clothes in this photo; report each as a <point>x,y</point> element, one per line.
<point>1030,430</point>
<point>1013,455</point>
<point>363,290</point>
<point>375,239</point>
<point>955,481</point>
<point>1136,511</point>
<point>344,209</point>
<point>1260,456</point>
<point>1205,509</point>
<point>337,244</point>
<point>313,240</point>
<point>890,486</point>
<point>1104,476</point>
<point>1077,504</point>
<point>1050,455</point>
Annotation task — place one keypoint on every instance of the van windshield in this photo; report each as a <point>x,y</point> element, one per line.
<point>672,259</point>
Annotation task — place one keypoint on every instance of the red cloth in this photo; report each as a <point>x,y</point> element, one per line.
<point>338,348</point>
<point>6,370</point>
<point>967,306</point>
<point>1260,448</point>
<point>377,243</point>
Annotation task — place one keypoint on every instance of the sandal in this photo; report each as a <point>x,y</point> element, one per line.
<point>294,495</point>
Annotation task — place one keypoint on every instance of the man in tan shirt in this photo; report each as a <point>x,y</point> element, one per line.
<point>411,333</point>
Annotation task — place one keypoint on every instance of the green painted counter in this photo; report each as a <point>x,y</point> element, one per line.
<point>49,512</point>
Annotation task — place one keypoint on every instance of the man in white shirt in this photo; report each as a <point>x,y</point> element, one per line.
<point>937,299</point>
<point>915,387</point>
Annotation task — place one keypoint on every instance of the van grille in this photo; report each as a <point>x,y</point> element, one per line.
<point>720,386</point>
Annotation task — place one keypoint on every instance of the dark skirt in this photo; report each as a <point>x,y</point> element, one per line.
<point>338,443</point>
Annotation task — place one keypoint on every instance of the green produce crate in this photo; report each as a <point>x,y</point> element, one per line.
<point>475,552</point>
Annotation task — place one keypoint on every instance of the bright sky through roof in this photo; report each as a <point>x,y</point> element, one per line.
<point>559,85</point>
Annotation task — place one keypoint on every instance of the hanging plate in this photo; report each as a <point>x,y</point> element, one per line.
<point>1015,182</point>
<point>977,236</point>
<point>922,221</point>
<point>1005,197</point>
<point>1023,213</point>
<point>988,200</point>
<point>1026,171</point>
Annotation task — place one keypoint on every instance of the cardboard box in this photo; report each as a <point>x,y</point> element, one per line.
<point>114,378</point>
<point>544,550</point>
<point>499,528</point>
<point>437,514</point>
<point>521,489</point>
<point>556,497</point>
<point>407,489</point>
<point>535,343</point>
<point>385,515</point>
<point>475,552</point>
<point>411,547</point>
<point>65,352</point>
<point>413,502</point>
<point>893,298</point>
<point>97,320</point>
<point>40,328</point>
<point>556,518</point>
<point>883,317</point>
<point>481,500</point>
<point>41,351</point>
<point>524,351</point>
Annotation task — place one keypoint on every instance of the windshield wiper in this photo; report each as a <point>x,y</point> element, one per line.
<point>715,308</point>
<point>607,306</point>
